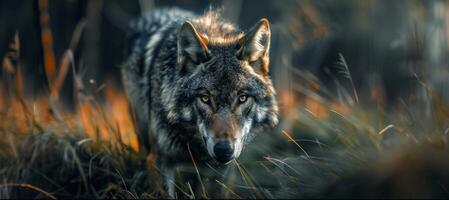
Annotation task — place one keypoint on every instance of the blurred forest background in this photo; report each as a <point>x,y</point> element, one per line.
<point>353,78</point>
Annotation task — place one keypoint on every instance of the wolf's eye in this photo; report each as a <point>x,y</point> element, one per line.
<point>243,98</point>
<point>205,98</point>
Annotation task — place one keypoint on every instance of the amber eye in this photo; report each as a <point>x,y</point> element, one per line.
<point>243,98</point>
<point>205,99</point>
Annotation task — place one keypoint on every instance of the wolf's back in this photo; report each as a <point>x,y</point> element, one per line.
<point>147,38</point>
<point>150,28</point>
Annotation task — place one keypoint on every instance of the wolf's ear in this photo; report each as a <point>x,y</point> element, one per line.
<point>192,46</point>
<point>256,46</point>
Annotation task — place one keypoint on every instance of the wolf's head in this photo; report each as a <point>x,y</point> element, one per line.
<point>226,91</point>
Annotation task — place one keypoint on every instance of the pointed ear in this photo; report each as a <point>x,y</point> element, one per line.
<point>192,46</point>
<point>256,46</point>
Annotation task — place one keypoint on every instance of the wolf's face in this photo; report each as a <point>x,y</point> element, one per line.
<point>226,91</point>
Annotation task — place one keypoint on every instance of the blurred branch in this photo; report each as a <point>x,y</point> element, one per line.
<point>47,42</point>
<point>67,60</point>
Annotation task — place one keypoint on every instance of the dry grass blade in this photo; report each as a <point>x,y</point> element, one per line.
<point>79,165</point>
<point>248,180</point>
<point>275,161</point>
<point>296,143</point>
<point>192,194</point>
<point>13,145</point>
<point>228,189</point>
<point>197,172</point>
<point>28,114</point>
<point>381,132</point>
<point>344,69</point>
<point>32,187</point>
<point>62,73</point>
<point>180,189</point>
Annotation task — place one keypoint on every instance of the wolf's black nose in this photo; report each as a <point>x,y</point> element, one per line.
<point>223,151</point>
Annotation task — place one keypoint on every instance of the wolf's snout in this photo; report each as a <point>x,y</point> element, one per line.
<point>223,151</point>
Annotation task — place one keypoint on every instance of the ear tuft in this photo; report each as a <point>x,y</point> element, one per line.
<point>256,45</point>
<point>192,46</point>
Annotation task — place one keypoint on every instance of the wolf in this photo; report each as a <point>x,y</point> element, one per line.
<point>198,85</point>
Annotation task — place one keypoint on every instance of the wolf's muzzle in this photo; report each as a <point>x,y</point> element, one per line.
<point>223,151</point>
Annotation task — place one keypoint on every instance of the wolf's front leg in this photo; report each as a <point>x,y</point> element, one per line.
<point>168,175</point>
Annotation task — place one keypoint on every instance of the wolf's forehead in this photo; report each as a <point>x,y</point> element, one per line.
<point>220,78</point>
<point>224,52</point>
<point>224,73</point>
<point>227,78</point>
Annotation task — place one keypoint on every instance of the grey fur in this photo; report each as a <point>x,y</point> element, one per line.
<point>174,58</point>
